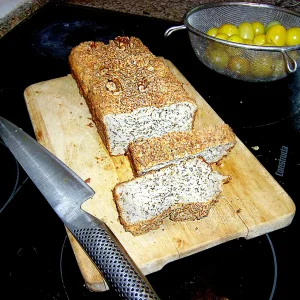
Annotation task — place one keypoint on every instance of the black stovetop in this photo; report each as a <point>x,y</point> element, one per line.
<point>37,259</point>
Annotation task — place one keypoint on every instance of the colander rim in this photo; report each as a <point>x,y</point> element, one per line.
<point>237,45</point>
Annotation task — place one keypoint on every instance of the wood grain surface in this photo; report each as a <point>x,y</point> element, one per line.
<point>252,204</point>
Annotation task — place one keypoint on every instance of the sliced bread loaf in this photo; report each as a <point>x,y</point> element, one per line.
<point>130,92</point>
<point>185,191</point>
<point>211,143</point>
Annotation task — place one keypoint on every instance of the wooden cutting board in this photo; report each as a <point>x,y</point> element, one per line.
<point>252,204</point>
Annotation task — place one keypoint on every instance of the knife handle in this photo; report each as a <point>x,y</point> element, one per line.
<point>112,260</point>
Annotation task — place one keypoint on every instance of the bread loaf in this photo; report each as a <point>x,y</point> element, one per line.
<point>211,143</point>
<point>130,92</point>
<point>185,191</point>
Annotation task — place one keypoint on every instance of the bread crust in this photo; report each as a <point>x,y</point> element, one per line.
<point>123,76</point>
<point>96,116</point>
<point>144,154</point>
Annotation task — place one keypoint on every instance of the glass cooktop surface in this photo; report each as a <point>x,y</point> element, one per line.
<point>38,261</point>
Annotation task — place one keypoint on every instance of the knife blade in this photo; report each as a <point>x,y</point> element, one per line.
<point>65,191</point>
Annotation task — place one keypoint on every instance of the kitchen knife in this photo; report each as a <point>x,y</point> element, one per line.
<point>66,191</point>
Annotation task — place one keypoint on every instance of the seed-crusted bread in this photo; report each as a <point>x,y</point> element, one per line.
<point>130,92</point>
<point>211,143</point>
<point>185,191</point>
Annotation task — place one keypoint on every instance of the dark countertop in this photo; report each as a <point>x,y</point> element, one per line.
<point>173,10</point>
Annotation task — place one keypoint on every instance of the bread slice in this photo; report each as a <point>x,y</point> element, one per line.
<point>185,191</point>
<point>130,92</point>
<point>211,143</point>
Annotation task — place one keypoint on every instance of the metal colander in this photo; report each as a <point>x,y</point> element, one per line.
<point>241,61</point>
